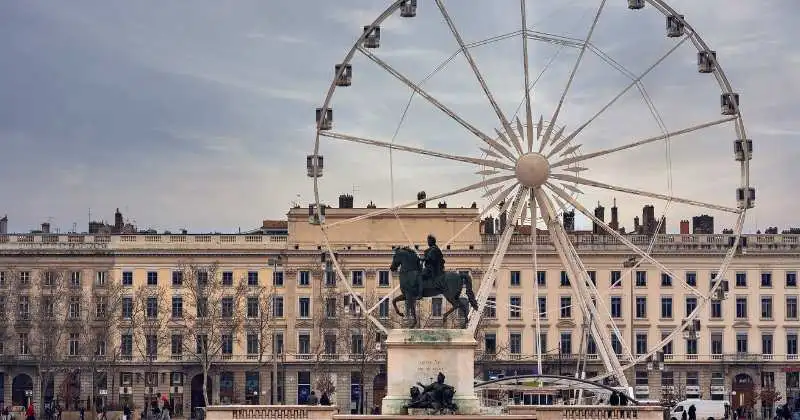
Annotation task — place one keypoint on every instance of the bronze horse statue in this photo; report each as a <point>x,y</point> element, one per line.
<point>448,284</point>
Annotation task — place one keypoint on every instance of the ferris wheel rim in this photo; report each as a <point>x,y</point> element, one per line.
<point>722,81</point>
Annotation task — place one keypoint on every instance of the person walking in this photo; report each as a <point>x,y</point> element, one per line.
<point>30,413</point>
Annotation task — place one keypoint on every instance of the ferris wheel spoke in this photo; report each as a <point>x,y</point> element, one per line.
<point>592,155</point>
<point>641,193</point>
<point>472,187</point>
<point>393,146</point>
<point>565,142</point>
<point>497,260</point>
<point>500,197</point>
<point>642,253</point>
<point>465,50</point>
<point>421,92</point>
<point>535,262</point>
<point>549,38</point>
<point>581,285</point>
<point>525,68</point>
<point>554,119</point>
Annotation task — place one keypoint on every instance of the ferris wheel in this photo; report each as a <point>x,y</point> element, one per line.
<point>533,166</point>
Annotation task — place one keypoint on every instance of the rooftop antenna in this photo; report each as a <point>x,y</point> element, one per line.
<point>296,203</point>
<point>90,215</point>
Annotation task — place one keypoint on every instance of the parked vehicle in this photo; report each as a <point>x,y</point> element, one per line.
<point>704,409</point>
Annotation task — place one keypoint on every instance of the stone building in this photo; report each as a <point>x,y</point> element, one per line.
<point>319,339</point>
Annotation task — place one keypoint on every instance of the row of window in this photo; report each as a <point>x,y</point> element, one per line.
<point>515,307</point>
<point>566,344</point>
<point>48,307</point>
<point>357,278</point>
<point>177,344</point>
<point>255,307</point>
<point>278,278</point>
<point>640,277</point>
<point>276,305</point>
<point>52,278</point>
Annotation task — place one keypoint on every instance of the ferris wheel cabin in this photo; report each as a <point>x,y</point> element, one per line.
<point>635,4</point>
<point>739,149</point>
<point>746,197</point>
<point>344,74</point>
<point>325,118</point>
<point>314,165</point>
<point>722,292</point>
<point>408,8</point>
<point>675,26</point>
<point>729,103</point>
<point>372,36</point>
<point>705,61</point>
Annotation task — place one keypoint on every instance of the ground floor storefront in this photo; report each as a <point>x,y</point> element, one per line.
<point>353,387</point>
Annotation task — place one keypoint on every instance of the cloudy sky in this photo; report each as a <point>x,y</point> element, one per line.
<point>199,115</point>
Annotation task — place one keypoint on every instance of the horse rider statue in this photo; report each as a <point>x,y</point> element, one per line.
<point>434,264</point>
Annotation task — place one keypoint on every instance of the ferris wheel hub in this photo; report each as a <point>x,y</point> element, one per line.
<point>532,169</point>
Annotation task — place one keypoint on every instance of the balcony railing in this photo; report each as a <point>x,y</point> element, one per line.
<point>673,243</point>
<point>132,242</point>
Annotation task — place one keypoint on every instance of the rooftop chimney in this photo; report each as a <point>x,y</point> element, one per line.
<point>599,212</point>
<point>614,224</point>
<point>488,225</point>
<point>118,222</point>
<point>345,201</point>
<point>569,220</point>
<point>684,227</point>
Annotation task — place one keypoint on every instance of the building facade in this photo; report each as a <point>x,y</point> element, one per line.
<point>318,339</point>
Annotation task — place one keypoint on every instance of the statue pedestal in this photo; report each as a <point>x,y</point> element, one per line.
<point>418,355</point>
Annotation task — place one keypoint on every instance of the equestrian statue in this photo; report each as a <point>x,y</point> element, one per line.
<point>419,282</point>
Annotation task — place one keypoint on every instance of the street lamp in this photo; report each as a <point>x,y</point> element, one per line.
<point>631,263</point>
<point>275,263</point>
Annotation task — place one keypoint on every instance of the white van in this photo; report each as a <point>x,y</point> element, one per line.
<point>704,409</point>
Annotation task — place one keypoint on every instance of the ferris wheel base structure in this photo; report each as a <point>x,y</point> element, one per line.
<point>419,355</point>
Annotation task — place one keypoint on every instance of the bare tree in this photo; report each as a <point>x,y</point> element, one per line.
<point>261,319</point>
<point>214,314</point>
<point>675,394</point>
<point>101,325</point>
<point>54,310</point>
<point>327,347</point>
<point>150,317</point>
<point>768,396</point>
<point>363,339</point>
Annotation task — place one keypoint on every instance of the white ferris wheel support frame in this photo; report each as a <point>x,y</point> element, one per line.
<point>503,153</point>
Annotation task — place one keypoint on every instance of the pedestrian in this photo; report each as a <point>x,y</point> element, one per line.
<point>126,412</point>
<point>165,409</point>
<point>30,413</point>
<point>692,412</point>
<point>684,416</point>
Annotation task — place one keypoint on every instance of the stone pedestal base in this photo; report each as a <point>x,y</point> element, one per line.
<point>418,355</point>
